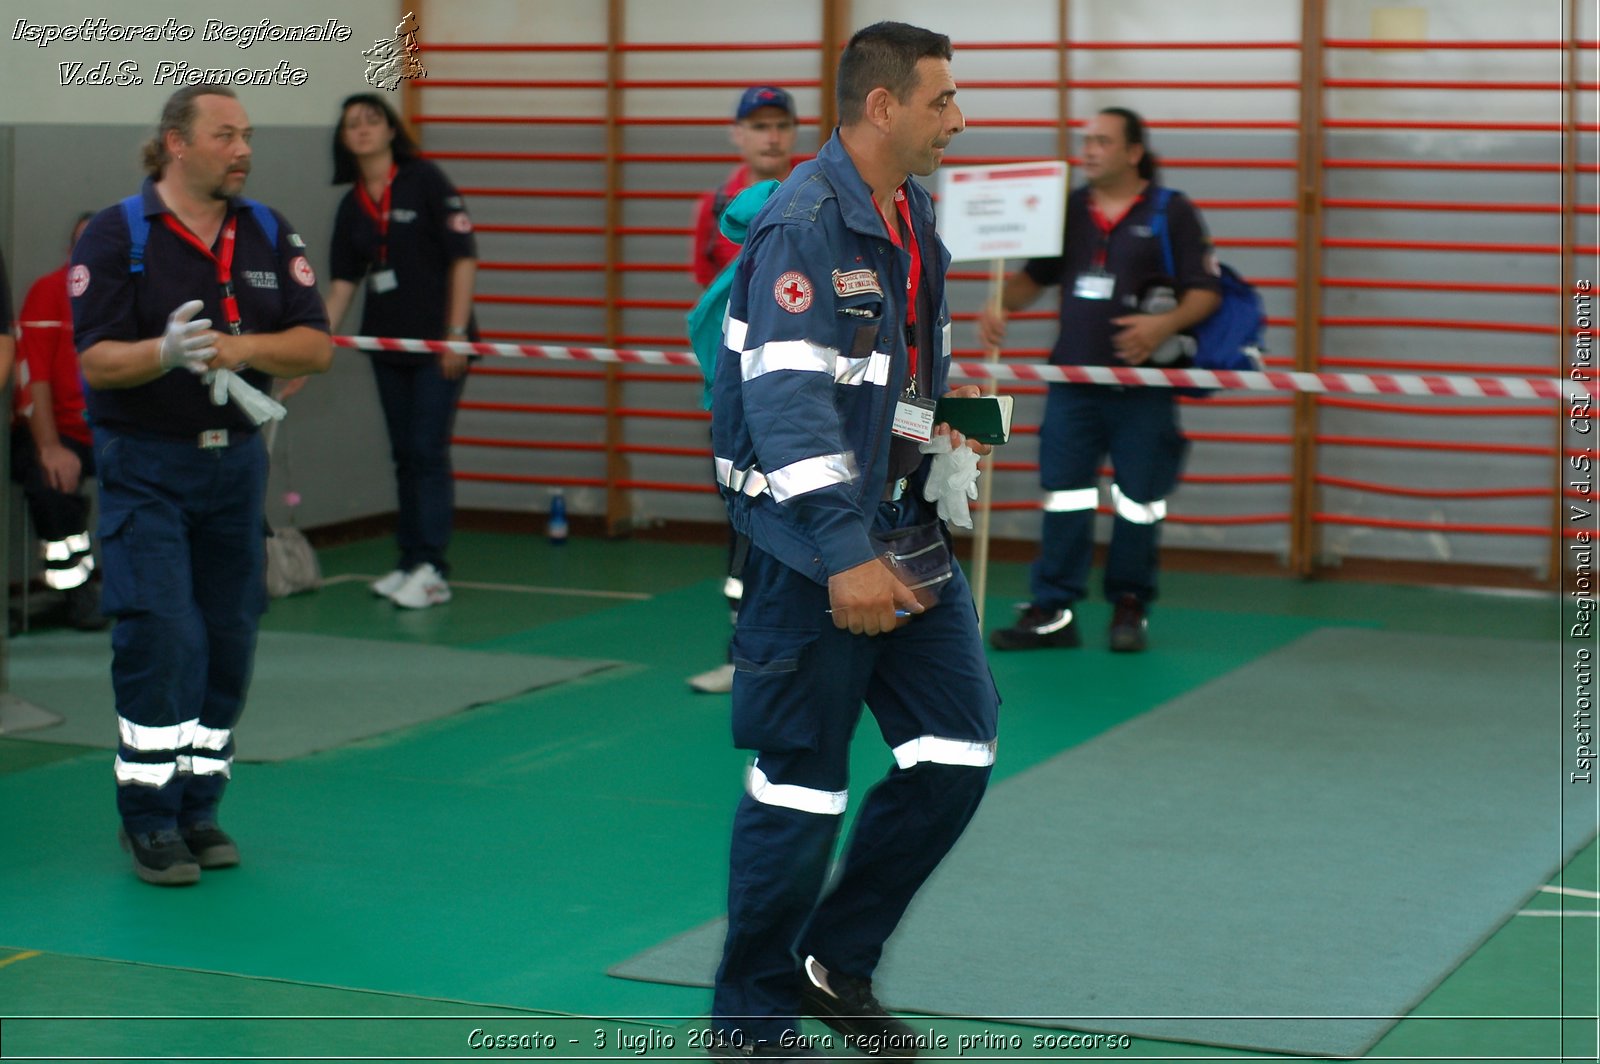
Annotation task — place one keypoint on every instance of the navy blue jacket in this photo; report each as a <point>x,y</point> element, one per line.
<point>814,359</point>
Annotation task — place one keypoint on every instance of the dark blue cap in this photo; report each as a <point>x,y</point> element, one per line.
<point>759,96</point>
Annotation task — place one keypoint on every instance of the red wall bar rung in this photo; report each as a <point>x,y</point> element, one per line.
<point>1433,493</point>
<point>1451,246</point>
<point>1429,526</point>
<point>1475,287</point>
<point>1388,443</point>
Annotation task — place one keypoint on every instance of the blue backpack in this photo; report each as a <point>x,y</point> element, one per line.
<point>1232,337</point>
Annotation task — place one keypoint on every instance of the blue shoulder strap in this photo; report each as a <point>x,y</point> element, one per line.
<point>139,227</point>
<point>138,231</point>
<point>1158,226</point>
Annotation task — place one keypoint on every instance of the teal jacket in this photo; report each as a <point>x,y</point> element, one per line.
<point>705,320</point>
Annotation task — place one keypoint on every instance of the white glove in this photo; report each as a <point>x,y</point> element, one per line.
<point>258,406</point>
<point>952,480</point>
<point>184,343</point>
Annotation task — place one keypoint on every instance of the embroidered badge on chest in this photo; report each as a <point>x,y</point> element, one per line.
<point>793,292</point>
<point>856,282</point>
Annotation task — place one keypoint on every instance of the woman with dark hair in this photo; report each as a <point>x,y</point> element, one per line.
<point>403,231</point>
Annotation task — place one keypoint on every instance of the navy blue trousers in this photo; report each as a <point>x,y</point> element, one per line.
<point>1138,429</point>
<point>182,535</point>
<point>797,698</point>
<point>419,408</point>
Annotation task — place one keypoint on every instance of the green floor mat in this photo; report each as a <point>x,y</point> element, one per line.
<point>1287,858</point>
<point>309,692</point>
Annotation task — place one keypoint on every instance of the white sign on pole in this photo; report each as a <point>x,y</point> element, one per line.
<point>1002,212</point>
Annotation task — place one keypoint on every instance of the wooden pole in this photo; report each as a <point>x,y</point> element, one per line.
<point>618,501</point>
<point>1303,540</point>
<point>1064,79</point>
<point>836,16</point>
<point>980,541</point>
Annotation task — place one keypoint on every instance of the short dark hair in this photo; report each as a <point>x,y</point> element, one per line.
<point>884,55</point>
<point>1134,133</point>
<point>178,113</point>
<point>345,169</point>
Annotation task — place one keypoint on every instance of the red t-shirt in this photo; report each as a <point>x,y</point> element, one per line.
<point>45,352</point>
<point>712,250</point>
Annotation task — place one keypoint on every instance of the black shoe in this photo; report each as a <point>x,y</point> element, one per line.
<point>160,857</point>
<point>732,1049</point>
<point>1038,627</point>
<point>83,608</point>
<point>1128,625</point>
<point>845,1003</point>
<point>211,846</point>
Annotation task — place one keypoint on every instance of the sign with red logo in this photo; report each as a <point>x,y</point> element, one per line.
<point>78,280</point>
<point>793,292</point>
<point>301,271</point>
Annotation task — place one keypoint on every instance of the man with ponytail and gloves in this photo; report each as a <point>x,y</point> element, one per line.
<point>186,301</point>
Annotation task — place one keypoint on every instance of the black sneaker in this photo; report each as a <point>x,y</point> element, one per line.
<point>845,1003</point>
<point>1128,625</point>
<point>211,846</point>
<point>160,857</point>
<point>1037,628</point>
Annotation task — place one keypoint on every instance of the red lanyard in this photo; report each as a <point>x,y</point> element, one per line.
<point>223,262</point>
<point>913,282</point>
<point>379,212</point>
<point>1105,223</point>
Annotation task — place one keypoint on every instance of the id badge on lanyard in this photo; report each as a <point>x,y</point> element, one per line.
<point>382,279</point>
<point>913,415</point>
<point>1094,284</point>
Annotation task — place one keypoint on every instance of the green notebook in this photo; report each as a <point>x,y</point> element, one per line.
<point>985,418</point>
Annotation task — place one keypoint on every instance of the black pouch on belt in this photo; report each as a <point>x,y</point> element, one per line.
<point>920,557</point>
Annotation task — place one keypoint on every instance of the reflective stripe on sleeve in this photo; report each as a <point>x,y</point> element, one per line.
<point>733,333</point>
<point>874,369</point>
<point>1138,513</point>
<point>801,355</point>
<point>146,739</point>
<point>810,474</point>
<point>789,796</point>
<point>749,481</point>
<point>944,752</point>
<point>1063,502</point>
<point>144,774</point>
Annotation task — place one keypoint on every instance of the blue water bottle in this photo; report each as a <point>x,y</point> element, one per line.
<point>557,528</point>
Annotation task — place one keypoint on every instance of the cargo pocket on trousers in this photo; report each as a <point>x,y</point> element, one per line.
<point>119,588</point>
<point>774,707</point>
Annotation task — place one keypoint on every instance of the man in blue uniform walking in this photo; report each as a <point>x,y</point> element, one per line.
<point>837,337</point>
<point>182,467</point>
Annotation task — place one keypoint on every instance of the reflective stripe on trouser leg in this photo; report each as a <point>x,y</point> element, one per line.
<point>1072,442</point>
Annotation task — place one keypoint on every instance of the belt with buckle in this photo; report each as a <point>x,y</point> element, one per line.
<point>213,438</point>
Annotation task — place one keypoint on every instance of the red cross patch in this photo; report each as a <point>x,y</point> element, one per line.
<point>78,280</point>
<point>301,271</point>
<point>793,292</point>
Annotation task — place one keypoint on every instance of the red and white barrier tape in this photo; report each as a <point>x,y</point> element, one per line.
<point>1467,387</point>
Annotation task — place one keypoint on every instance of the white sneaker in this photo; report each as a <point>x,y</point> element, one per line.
<point>423,588</point>
<point>719,681</point>
<point>388,585</point>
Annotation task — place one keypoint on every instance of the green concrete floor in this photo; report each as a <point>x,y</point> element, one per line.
<point>481,872</point>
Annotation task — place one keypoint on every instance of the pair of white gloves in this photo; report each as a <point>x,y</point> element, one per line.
<point>952,479</point>
<point>186,344</point>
